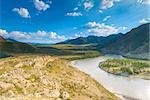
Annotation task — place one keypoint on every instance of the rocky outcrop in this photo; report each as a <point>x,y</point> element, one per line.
<point>46,77</point>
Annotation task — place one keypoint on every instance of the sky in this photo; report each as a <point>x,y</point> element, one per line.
<point>51,21</point>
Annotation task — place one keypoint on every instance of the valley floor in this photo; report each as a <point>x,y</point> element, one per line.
<point>47,77</point>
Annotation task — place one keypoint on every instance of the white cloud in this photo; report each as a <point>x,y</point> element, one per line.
<point>105,4</point>
<point>54,35</point>
<point>41,6</point>
<point>144,2</point>
<point>19,35</point>
<point>14,34</point>
<point>61,37</point>
<point>78,34</point>
<point>106,18</point>
<point>123,28</point>
<point>144,20</point>
<point>75,9</point>
<point>93,24</point>
<point>100,11</point>
<point>88,5</point>
<point>3,32</point>
<point>41,33</point>
<point>22,12</point>
<point>33,36</point>
<point>74,14</point>
<point>101,29</point>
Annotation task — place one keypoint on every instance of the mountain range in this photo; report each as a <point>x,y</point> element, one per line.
<point>134,44</point>
<point>97,40</point>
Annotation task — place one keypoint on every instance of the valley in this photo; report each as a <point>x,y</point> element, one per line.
<point>65,71</point>
<point>74,50</point>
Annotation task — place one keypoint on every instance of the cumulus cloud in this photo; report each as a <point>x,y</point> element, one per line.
<point>101,29</point>
<point>41,33</point>
<point>105,4</point>
<point>54,35</point>
<point>41,6</point>
<point>19,35</point>
<point>3,32</point>
<point>14,34</point>
<point>144,2</point>
<point>88,5</point>
<point>78,34</point>
<point>74,14</point>
<point>23,12</point>
<point>144,20</point>
<point>31,36</point>
<point>106,18</point>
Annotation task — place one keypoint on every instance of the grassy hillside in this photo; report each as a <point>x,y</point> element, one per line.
<point>46,77</point>
<point>19,48</point>
<point>16,47</point>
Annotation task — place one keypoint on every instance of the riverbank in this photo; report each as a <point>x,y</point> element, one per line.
<point>134,88</point>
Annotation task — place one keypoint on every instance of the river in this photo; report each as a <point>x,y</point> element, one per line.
<point>124,87</point>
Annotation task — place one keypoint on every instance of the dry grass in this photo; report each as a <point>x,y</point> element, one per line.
<point>46,77</point>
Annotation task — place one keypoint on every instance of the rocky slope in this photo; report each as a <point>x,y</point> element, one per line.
<point>45,77</point>
<point>133,44</point>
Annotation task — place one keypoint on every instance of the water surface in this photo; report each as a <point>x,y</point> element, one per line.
<point>131,87</point>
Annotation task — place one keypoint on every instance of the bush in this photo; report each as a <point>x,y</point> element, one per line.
<point>124,66</point>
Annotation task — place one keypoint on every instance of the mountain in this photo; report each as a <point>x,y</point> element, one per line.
<point>11,40</point>
<point>7,39</point>
<point>16,47</point>
<point>100,40</point>
<point>133,44</point>
<point>2,39</point>
<point>11,47</point>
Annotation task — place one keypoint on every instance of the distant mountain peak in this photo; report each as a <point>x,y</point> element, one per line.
<point>92,39</point>
<point>11,40</point>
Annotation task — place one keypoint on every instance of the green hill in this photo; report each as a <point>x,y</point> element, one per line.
<point>12,47</point>
<point>16,47</point>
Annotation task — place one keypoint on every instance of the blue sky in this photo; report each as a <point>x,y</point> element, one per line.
<point>50,21</point>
